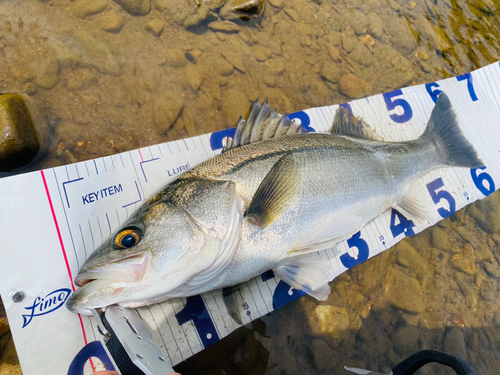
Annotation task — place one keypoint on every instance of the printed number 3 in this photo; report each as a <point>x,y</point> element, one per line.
<point>392,104</point>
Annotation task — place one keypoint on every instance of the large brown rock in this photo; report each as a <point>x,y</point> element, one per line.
<point>354,87</point>
<point>19,143</point>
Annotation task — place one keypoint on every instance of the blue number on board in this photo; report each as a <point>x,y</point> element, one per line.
<point>196,311</point>
<point>479,181</point>
<point>405,226</point>
<point>470,86</point>
<point>304,119</point>
<point>432,187</point>
<point>392,104</point>
<point>284,294</point>
<point>363,251</point>
<point>217,137</point>
<point>433,93</point>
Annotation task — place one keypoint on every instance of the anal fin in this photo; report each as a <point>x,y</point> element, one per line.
<point>307,273</point>
<point>413,204</point>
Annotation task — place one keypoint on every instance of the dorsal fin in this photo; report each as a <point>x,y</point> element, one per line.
<point>262,123</point>
<point>345,123</point>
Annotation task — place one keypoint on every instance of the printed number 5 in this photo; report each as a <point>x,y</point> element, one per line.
<point>363,251</point>
<point>392,104</point>
<point>442,194</point>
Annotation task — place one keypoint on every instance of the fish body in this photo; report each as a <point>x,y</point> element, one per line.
<point>265,203</point>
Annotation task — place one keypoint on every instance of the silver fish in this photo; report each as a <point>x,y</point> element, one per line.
<point>273,196</point>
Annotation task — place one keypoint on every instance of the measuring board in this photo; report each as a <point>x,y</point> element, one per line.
<point>52,220</point>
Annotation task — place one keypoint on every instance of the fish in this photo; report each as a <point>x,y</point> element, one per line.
<point>273,196</point>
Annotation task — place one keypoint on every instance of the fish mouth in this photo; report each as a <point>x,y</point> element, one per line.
<point>130,269</point>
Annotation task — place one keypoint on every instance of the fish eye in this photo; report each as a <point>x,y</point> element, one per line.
<point>127,238</point>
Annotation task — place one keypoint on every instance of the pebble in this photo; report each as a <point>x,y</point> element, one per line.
<point>404,291</point>
<point>155,27</point>
<point>464,283</point>
<point>226,26</point>
<point>323,355</point>
<point>375,25</point>
<point>233,105</point>
<point>193,55</point>
<point>361,55</point>
<point>348,43</point>
<point>454,343</point>
<point>29,88</point>
<point>19,140</point>
<point>334,53</point>
<point>135,7</point>
<point>194,76</point>
<point>47,73</point>
<point>111,22</point>
<point>358,22</point>
<point>174,58</point>
<point>492,269</point>
<point>22,72</point>
<point>261,53</point>
<point>354,87</point>
<point>166,110</point>
<point>219,65</point>
<point>401,37</point>
<point>405,340</point>
<point>293,14</point>
<point>333,321</point>
<point>330,72</point>
<point>275,66</point>
<point>440,239</point>
<point>465,260</point>
<point>276,3</point>
<point>486,213</point>
<point>86,8</point>
<point>234,59</point>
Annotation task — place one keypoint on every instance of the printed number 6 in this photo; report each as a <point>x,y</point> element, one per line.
<point>392,104</point>
<point>479,181</point>
<point>363,251</point>
<point>442,194</point>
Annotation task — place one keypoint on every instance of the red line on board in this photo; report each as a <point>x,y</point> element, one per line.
<point>65,256</point>
<point>140,154</point>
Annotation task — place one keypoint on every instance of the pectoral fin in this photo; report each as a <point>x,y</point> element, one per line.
<point>307,273</point>
<point>275,192</point>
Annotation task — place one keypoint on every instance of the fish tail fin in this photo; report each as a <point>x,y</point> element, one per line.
<point>443,129</point>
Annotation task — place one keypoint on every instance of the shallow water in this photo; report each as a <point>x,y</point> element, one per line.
<point>106,81</point>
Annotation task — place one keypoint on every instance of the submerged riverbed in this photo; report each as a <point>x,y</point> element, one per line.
<point>110,76</point>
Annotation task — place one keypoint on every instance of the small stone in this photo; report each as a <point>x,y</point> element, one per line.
<point>440,239</point>
<point>333,320</point>
<point>465,261</point>
<point>458,319</point>
<point>454,343</point>
<point>22,73</point>
<point>29,88</point>
<point>80,79</point>
<point>234,104</point>
<point>404,292</point>
<point>323,355</point>
<point>175,58</point>
<point>155,27</point>
<point>268,79</point>
<point>367,40</point>
<point>354,87</point>
<point>405,340</point>
<point>234,59</point>
<point>19,141</point>
<point>193,55</point>
<point>334,53</point>
<point>496,237</point>
<point>226,26</point>
<point>464,283</point>
<point>330,72</point>
<point>219,65</point>
<point>293,14</point>
<point>401,36</point>
<point>492,269</point>
<point>194,76</point>
<point>275,66</point>
<point>111,22</point>
<point>166,110</point>
<point>348,43</point>
<point>262,53</point>
<point>47,74</point>
<point>80,144</point>
<point>375,25</point>
<point>135,7</point>
<point>358,22</point>
<point>361,55</point>
<point>86,8</point>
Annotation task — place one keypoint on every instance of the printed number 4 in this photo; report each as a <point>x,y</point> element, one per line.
<point>392,104</point>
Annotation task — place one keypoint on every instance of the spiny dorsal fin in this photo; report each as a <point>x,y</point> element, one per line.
<point>345,123</point>
<point>275,192</point>
<point>262,123</point>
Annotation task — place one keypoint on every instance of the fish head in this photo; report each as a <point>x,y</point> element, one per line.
<point>158,252</point>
